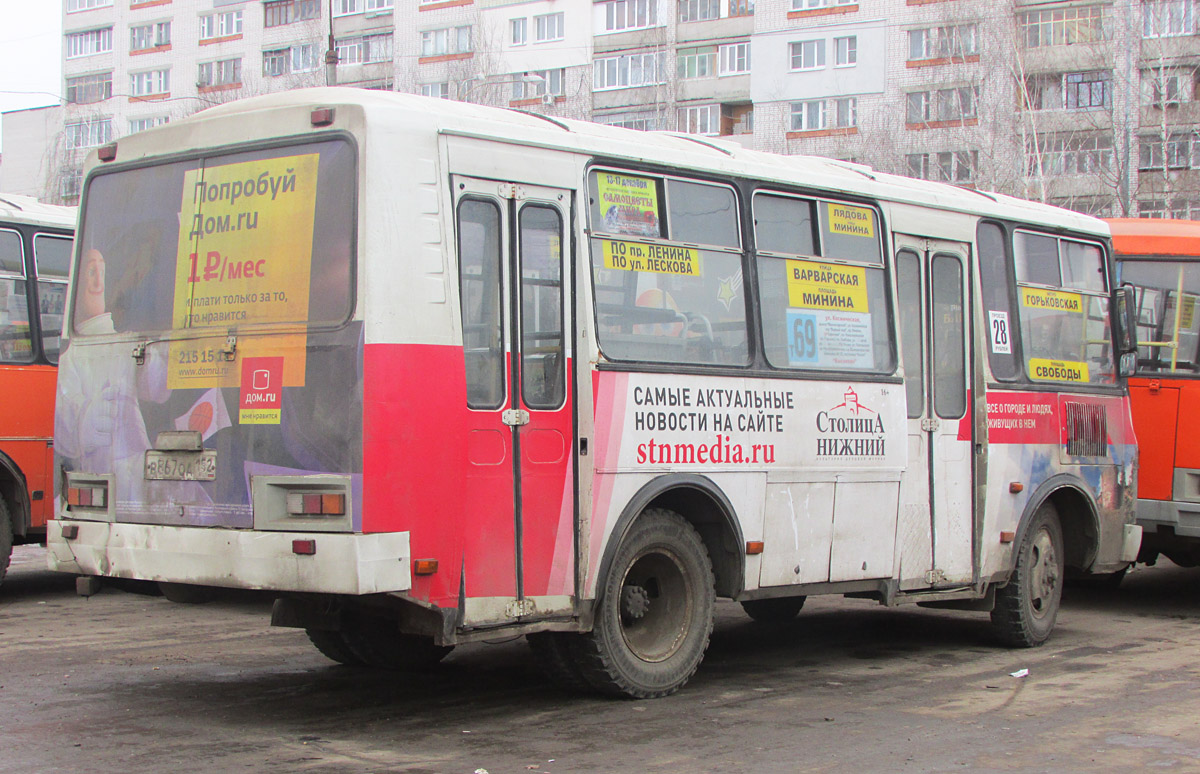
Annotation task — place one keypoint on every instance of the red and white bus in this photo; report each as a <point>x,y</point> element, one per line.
<point>1161,259</point>
<point>438,373</point>
<point>35,254</point>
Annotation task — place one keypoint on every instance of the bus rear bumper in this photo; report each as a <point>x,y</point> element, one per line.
<point>340,563</point>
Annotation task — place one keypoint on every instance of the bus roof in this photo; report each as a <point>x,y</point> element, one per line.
<point>691,152</point>
<point>1155,236</point>
<point>15,208</point>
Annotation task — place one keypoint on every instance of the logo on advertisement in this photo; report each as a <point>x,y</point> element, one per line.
<point>262,391</point>
<point>850,430</point>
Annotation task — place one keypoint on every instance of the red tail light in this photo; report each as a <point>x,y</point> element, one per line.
<point>87,496</point>
<point>303,504</point>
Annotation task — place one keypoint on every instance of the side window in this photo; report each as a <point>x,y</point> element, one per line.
<point>52,258</point>
<point>825,307</point>
<point>1167,294</point>
<point>1065,330</point>
<point>675,294</point>
<point>16,346</point>
<point>949,355</point>
<point>479,250</point>
<point>996,283</point>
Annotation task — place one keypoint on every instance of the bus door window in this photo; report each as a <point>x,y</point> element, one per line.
<point>949,345</point>
<point>479,249</point>
<point>908,278</point>
<point>543,365</point>
<point>52,258</point>
<point>16,346</point>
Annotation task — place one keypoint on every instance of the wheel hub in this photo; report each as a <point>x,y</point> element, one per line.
<point>635,602</point>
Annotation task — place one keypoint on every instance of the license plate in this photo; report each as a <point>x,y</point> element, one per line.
<point>181,466</point>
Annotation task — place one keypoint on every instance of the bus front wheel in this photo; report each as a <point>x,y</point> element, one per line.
<point>655,614</point>
<point>6,539</point>
<point>1027,607</point>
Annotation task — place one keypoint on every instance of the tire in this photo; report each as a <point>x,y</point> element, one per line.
<point>775,610</point>
<point>1027,607</point>
<point>378,644</point>
<point>554,654</point>
<point>655,612</point>
<point>6,539</point>
<point>333,646</point>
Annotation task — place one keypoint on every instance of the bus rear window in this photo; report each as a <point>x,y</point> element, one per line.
<point>222,241</point>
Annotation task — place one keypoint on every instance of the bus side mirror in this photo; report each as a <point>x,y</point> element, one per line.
<point>1126,328</point>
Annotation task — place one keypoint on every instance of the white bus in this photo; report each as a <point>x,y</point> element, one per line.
<point>436,373</point>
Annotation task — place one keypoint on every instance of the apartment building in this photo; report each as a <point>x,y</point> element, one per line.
<point>1093,105</point>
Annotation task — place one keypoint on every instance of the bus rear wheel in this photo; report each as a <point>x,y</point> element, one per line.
<point>775,610</point>
<point>655,614</point>
<point>6,539</point>
<point>378,644</point>
<point>333,646</point>
<point>1027,607</point>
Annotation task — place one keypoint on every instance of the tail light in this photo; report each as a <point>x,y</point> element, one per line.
<point>87,496</point>
<point>310,504</point>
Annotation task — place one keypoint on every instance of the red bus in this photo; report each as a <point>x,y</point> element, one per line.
<point>437,373</point>
<point>1161,258</point>
<point>35,253</point>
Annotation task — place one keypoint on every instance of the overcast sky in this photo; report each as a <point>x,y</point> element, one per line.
<point>30,53</point>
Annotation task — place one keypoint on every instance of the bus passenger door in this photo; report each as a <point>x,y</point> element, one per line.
<point>937,529</point>
<point>514,273</point>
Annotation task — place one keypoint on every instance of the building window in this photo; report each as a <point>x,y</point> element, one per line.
<point>281,12</point>
<point>83,5</point>
<point>942,105</point>
<point>365,50</point>
<point>735,58</point>
<point>89,42</point>
<point>520,31</point>
<point>814,115</point>
<point>70,183</point>
<point>551,83</point>
<point>808,55</point>
<point>438,90</point>
<point>347,7</point>
<point>1167,18</point>
<point>1166,86</point>
<point>1086,91</point>
<point>448,40</point>
<point>1065,26</point>
<point>1176,209</point>
<point>149,122</point>
<point>379,5</point>
<point>955,42</point>
<point>220,25</point>
<point>223,73</point>
<point>300,58</point>
<point>85,89</point>
<point>1176,151</point>
<point>86,134</point>
<point>630,15</point>
<point>741,7</point>
<point>699,10</point>
<point>548,27</point>
<point>1073,154</point>
<point>623,72</point>
<point>845,51</point>
<point>809,5</point>
<point>946,166</point>
<point>642,120</point>
<point>151,82</point>
<point>697,62</point>
<point>149,36</point>
<point>700,119</point>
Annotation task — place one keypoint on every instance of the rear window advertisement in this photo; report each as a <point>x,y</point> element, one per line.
<point>181,255</point>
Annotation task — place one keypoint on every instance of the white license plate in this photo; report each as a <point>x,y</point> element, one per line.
<point>181,466</point>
